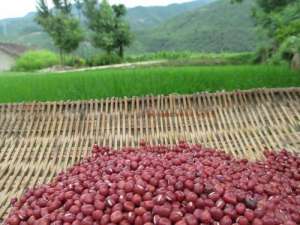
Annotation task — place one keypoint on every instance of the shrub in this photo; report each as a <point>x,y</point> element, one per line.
<point>289,47</point>
<point>75,61</point>
<point>237,58</point>
<point>36,60</point>
<point>159,55</point>
<point>286,51</point>
<point>104,59</point>
<point>262,54</point>
<point>201,59</point>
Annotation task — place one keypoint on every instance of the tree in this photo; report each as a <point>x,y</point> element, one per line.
<point>123,35</point>
<point>60,24</point>
<point>270,5</point>
<point>273,5</point>
<point>110,30</point>
<point>102,22</point>
<point>289,50</point>
<point>79,6</point>
<point>281,20</point>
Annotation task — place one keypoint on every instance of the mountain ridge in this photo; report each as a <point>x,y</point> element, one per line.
<point>200,25</point>
<point>216,27</point>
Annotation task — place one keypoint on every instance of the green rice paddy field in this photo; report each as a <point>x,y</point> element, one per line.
<point>26,87</point>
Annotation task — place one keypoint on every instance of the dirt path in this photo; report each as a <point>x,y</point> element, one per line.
<point>123,65</point>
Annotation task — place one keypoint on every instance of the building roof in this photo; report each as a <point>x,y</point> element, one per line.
<point>13,49</point>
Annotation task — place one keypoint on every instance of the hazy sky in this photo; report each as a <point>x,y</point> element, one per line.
<point>17,8</point>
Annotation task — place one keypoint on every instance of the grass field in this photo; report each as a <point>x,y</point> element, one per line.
<point>25,87</point>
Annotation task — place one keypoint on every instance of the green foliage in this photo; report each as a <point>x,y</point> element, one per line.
<point>122,34</point>
<point>214,59</point>
<point>60,24</point>
<point>287,50</point>
<point>176,58</point>
<point>110,30</point>
<point>192,26</point>
<point>102,22</point>
<point>22,29</point>
<point>217,27</point>
<point>65,33</point>
<point>273,5</point>
<point>19,87</point>
<point>170,55</point>
<point>268,6</point>
<point>141,18</point>
<point>104,38</point>
<point>79,6</point>
<point>36,60</point>
<point>262,54</point>
<point>281,19</point>
<point>75,61</point>
<point>293,28</point>
<point>104,59</point>
<point>195,59</point>
<point>287,21</point>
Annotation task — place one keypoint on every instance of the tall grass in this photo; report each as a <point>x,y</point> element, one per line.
<point>18,87</point>
<point>169,55</point>
<point>190,58</point>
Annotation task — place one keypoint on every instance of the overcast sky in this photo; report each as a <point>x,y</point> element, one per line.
<point>17,8</point>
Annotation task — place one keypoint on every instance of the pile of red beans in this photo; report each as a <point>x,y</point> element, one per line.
<point>185,185</point>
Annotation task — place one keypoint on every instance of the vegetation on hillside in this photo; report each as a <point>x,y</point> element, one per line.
<point>215,28</point>
<point>15,29</point>
<point>144,18</point>
<point>219,27</point>
<point>281,21</point>
<point>18,87</point>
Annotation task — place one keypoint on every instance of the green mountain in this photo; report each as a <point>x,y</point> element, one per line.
<point>147,17</point>
<point>217,27</point>
<point>24,29</point>
<point>200,25</point>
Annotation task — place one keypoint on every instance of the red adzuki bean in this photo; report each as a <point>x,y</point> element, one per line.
<point>185,185</point>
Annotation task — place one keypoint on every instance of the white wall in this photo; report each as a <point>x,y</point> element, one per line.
<point>6,61</point>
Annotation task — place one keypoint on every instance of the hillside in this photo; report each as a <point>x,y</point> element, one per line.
<point>217,27</point>
<point>24,29</point>
<point>201,25</point>
<point>149,17</point>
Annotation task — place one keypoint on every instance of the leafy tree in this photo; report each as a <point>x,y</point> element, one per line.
<point>273,5</point>
<point>270,5</point>
<point>281,20</point>
<point>60,24</point>
<point>102,22</point>
<point>79,6</point>
<point>290,51</point>
<point>110,30</point>
<point>123,35</point>
<point>288,22</point>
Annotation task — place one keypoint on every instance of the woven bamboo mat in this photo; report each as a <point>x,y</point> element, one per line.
<point>37,140</point>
